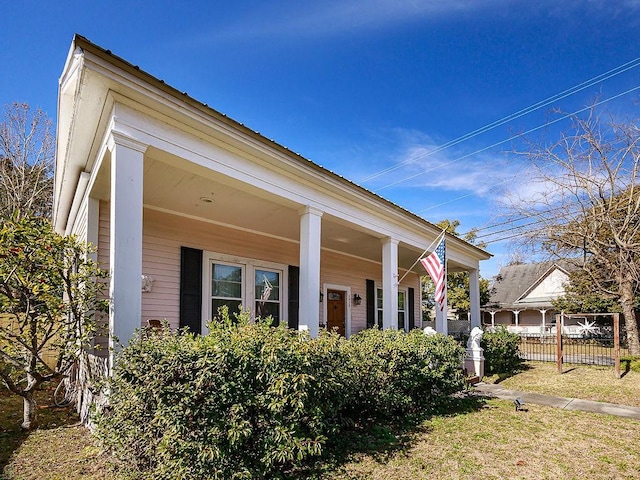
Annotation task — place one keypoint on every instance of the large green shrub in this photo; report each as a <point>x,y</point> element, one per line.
<point>249,400</point>
<point>501,351</point>
<point>392,373</point>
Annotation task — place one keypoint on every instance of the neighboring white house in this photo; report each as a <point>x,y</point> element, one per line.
<point>522,296</point>
<point>211,213</point>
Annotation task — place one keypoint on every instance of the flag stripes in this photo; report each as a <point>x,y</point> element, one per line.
<point>434,264</point>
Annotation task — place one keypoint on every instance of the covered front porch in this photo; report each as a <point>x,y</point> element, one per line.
<point>146,172</point>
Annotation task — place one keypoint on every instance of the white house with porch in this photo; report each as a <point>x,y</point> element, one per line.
<point>523,294</point>
<point>191,210</point>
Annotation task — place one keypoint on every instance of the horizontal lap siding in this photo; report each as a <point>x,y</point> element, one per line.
<point>349,272</point>
<point>164,234</point>
<point>161,262</point>
<point>103,262</point>
<point>503,318</point>
<point>353,272</point>
<point>531,317</point>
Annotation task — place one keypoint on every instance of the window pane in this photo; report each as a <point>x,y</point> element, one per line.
<point>266,309</point>
<point>227,281</point>
<point>267,294</point>
<point>267,285</point>
<point>379,298</point>
<point>400,320</point>
<point>401,301</point>
<point>216,303</point>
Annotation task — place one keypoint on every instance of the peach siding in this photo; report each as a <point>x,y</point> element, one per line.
<point>503,318</point>
<point>103,262</point>
<point>164,234</point>
<point>104,223</point>
<point>530,317</point>
<point>352,272</point>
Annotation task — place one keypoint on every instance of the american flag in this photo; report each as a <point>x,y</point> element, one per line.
<point>434,264</point>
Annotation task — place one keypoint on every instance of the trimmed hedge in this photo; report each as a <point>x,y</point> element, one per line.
<point>248,399</point>
<point>501,352</point>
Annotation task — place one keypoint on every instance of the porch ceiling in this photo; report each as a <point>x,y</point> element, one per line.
<point>173,185</point>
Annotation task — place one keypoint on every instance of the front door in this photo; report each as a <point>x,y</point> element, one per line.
<point>336,311</point>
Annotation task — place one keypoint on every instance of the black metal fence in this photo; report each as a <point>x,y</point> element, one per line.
<point>586,348</point>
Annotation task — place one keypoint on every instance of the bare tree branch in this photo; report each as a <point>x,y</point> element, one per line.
<point>26,162</point>
<point>590,206</point>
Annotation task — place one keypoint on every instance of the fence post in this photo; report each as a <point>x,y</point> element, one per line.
<point>616,342</point>
<point>559,341</point>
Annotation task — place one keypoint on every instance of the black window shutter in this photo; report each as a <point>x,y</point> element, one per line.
<point>191,289</point>
<point>294,296</point>
<point>371,303</point>
<point>412,310</point>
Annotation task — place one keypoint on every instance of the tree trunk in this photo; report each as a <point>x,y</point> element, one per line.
<point>631,324</point>
<point>29,421</point>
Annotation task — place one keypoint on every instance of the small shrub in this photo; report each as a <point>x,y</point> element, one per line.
<point>630,362</point>
<point>501,352</point>
<point>249,400</point>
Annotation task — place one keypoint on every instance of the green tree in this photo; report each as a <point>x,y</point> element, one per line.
<point>587,207</point>
<point>581,296</point>
<point>26,162</point>
<point>48,299</point>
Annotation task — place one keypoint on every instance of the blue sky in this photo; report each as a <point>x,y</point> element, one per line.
<point>360,86</point>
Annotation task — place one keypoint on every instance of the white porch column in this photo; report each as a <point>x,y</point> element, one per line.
<point>517,314</point>
<point>441,319</point>
<point>390,283</point>
<point>125,247</point>
<point>544,321</point>
<point>493,318</point>
<point>474,298</point>
<point>309,308</point>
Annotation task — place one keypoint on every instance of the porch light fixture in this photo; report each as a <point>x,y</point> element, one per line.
<point>321,297</point>
<point>357,300</point>
<point>206,200</point>
<point>147,283</point>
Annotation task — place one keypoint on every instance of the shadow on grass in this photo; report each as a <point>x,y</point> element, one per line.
<point>381,441</point>
<point>501,377</point>
<point>11,434</point>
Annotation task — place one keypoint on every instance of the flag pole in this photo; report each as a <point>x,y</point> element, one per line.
<point>423,253</point>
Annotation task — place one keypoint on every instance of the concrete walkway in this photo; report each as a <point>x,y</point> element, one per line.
<point>495,390</point>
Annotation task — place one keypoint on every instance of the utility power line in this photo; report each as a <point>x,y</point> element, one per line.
<point>521,230</point>
<point>531,108</point>
<point>531,130</point>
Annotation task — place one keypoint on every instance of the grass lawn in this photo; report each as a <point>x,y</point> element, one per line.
<point>587,383</point>
<point>58,449</point>
<point>474,438</point>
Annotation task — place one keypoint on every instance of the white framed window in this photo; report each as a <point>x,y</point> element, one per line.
<point>403,324</point>
<point>267,293</point>
<point>226,286</point>
<point>240,282</point>
<point>379,307</point>
<point>402,311</point>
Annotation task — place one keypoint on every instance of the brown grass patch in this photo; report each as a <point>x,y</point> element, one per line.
<point>58,449</point>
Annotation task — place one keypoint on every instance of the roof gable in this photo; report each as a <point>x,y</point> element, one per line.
<point>531,283</point>
<point>549,286</point>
